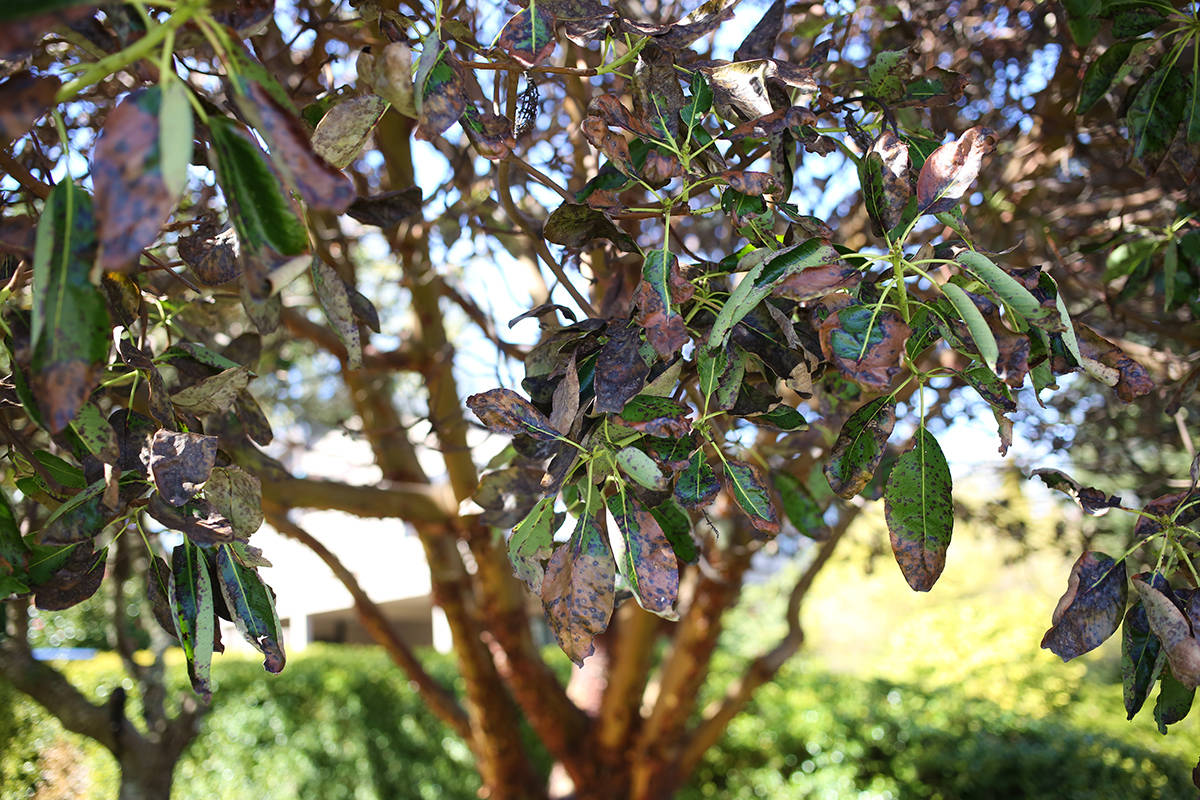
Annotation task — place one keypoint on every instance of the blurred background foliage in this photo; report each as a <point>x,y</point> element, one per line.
<point>898,696</point>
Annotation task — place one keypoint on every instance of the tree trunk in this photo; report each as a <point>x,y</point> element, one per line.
<point>147,776</point>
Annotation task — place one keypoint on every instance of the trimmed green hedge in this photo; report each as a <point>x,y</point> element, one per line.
<point>341,722</point>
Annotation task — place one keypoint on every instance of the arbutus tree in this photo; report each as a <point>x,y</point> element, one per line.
<point>717,367</point>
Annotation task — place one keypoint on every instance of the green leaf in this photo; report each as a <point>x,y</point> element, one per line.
<point>859,447</point>
<point>981,333</point>
<point>1135,20</point>
<point>1139,657</point>
<point>697,484</point>
<point>1156,111</point>
<point>1081,20</point>
<point>175,133</point>
<point>645,557</point>
<point>261,211</point>
<point>529,35</point>
<point>677,527</point>
<point>919,511</point>
<point>70,323</point>
<point>1170,270</point>
<point>1009,290</point>
<point>641,468</point>
<point>799,506</point>
<point>750,492</point>
<point>1173,703</point>
<point>783,417</point>
<point>695,110</point>
<point>657,416</point>
<point>251,603</point>
<point>1192,115</point>
<point>77,520</point>
<point>711,364</point>
<point>575,225</point>
<point>760,281</point>
<point>96,434</point>
<point>16,9</point>
<point>190,595</point>
<point>993,390</point>
<point>1100,75</point>
<point>531,542</point>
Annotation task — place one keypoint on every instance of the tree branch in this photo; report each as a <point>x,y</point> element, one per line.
<point>437,696</point>
<point>413,502</point>
<point>717,717</point>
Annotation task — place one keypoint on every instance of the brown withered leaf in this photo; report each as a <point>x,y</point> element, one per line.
<point>792,119</point>
<point>657,416</point>
<point>659,168</point>
<point>573,225</point>
<point>237,496</point>
<point>214,394</point>
<point>577,590</point>
<point>1091,609</point>
<point>529,35</point>
<point>491,134</point>
<point>323,186</point>
<point>1133,379</point>
<point>1091,500</point>
<point>508,495</point>
<point>582,20</point>
<point>865,346</point>
<point>24,98</point>
<point>565,405</point>
<point>1174,630</point>
<point>951,169</point>
<point>135,433</point>
<point>212,254</point>
<point>387,209</point>
<point>505,411</point>
<point>1013,361</point>
<point>661,286</point>
<point>609,109</point>
<point>195,519</point>
<point>818,281</point>
<point>620,370</point>
<point>755,184</point>
<point>345,128</point>
<point>180,463</point>
<point>608,142</point>
<point>75,581</point>
<point>132,198</point>
<point>17,235</point>
<point>645,556</point>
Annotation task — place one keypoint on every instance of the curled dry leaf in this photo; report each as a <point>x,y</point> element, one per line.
<point>1091,500</point>
<point>180,463</point>
<point>582,20</point>
<point>818,281</point>
<point>791,119</point>
<point>387,209</point>
<point>577,590</point>
<point>72,583</point>
<point>1167,505</point>
<point>1091,609</point>
<point>950,170</point>
<point>1140,648</point>
<point>505,411</point>
<point>491,134</point>
<point>754,184</point>
<point>891,154</point>
<point>1175,632</point>
<point>1132,379</point>
<point>573,225</point>
<point>609,143</point>
<point>919,510</point>
<point>212,254</point>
